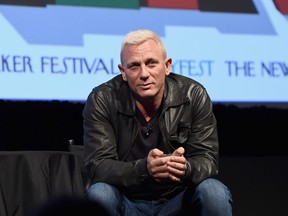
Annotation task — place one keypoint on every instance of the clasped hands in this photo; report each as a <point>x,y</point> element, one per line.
<point>165,168</point>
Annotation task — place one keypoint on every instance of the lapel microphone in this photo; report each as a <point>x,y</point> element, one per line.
<point>148,130</point>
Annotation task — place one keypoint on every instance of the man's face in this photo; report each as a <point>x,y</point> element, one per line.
<point>145,68</point>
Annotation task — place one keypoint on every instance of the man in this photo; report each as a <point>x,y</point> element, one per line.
<point>150,136</point>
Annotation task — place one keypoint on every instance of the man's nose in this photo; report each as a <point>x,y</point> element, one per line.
<point>145,72</point>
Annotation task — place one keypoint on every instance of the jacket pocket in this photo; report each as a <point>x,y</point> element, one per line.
<point>180,135</point>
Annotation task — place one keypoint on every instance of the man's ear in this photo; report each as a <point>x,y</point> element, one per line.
<point>122,71</point>
<point>168,65</point>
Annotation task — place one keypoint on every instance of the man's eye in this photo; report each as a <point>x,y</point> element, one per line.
<point>133,67</point>
<point>152,64</point>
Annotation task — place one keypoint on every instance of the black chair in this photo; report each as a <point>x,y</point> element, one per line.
<point>78,151</point>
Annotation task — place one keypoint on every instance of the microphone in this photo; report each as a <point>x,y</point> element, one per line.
<point>148,130</point>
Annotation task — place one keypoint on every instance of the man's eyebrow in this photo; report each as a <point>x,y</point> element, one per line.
<point>130,64</point>
<point>151,59</point>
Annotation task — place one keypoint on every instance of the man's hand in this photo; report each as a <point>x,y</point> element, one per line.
<point>166,167</point>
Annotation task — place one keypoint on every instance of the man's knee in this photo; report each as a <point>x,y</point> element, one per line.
<point>108,196</point>
<point>102,192</point>
<point>211,189</point>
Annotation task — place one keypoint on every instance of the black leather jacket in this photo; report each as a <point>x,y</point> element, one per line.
<point>110,127</point>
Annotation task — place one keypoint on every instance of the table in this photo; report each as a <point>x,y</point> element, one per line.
<point>28,178</point>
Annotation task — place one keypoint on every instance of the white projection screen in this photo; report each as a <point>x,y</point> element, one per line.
<point>60,50</point>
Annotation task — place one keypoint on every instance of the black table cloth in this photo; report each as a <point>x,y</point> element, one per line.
<point>28,178</point>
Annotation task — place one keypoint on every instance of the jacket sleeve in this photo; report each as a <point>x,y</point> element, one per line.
<point>99,135</point>
<point>202,147</point>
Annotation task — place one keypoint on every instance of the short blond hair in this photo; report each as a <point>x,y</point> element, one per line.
<point>140,36</point>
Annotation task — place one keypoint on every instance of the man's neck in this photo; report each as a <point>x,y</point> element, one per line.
<point>147,108</point>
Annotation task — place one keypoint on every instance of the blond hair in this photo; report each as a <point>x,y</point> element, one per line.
<point>140,36</point>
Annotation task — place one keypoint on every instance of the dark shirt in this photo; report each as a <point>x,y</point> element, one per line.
<point>149,137</point>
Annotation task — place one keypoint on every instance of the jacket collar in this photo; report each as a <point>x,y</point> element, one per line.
<point>173,95</point>
<point>125,102</point>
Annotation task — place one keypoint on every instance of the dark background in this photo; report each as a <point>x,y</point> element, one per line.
<point>250,130</point>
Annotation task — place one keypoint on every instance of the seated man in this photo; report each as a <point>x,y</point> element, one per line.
<point>150,138</point>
